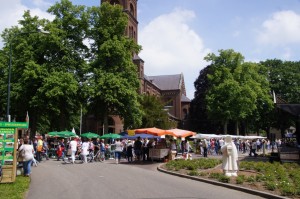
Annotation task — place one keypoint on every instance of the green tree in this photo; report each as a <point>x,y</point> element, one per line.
<point>49,71</point>
<point>284,78</point>
<point>236,88</point>
<point>154,113</point>
<point>198,116</point>
<point>114,80</point>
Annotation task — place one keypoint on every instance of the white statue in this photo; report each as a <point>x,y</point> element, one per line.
<point>230,157</point>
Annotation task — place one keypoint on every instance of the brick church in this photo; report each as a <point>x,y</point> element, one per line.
<point>171,88</point>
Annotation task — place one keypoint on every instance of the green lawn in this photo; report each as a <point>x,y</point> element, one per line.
<point>15,190</point>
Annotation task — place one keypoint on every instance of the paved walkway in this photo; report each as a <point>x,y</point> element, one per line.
<point>138,180</point>
<point>54,179</point>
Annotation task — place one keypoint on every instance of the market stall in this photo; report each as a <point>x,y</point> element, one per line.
<point>180,133</point>
<point>160,149</point>
<point>158,153</point>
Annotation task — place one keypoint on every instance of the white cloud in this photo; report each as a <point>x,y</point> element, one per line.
<point>287,53</point>
<point>170,46</point>
<point>283,28</point>
<point>12,11</point>
<point>41,3</point>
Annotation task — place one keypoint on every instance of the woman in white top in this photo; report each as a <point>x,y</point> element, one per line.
<point>118,150</point>
<point>26,150</point>
<point>73,147</point>
<point>84,150</point>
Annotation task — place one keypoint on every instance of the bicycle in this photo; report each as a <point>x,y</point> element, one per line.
<point>99,156</point>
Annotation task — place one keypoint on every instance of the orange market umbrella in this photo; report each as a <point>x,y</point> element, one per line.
<point>181,133</point>
<point>153,131</point>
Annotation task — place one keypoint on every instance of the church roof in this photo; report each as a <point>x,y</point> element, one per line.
<point>185,98</point>
<point>136,57</point>
<point>167,82</point>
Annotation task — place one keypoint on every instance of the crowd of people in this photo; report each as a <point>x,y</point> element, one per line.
<point>212,146</point>
<point>32,151</point>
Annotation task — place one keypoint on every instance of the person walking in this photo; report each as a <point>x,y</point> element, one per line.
<point>204,145</point>
<point>253,148</point>
<point>102,150</point>
<point>39,149</point>
<point>27,152</point>
<point>129,148</point>
<point>84,151</point>
<point>46,148</point>
<point>118,150</point>
<point>145,150</point>
<point>73,147</point>
<point>138,148</point>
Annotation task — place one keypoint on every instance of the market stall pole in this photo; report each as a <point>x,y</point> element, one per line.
<point>8,149</point>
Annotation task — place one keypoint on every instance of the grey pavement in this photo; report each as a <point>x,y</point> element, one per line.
<point>52,179</point>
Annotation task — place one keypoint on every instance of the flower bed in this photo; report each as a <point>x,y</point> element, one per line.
<point>280,179</point>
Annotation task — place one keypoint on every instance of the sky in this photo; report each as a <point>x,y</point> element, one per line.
<point>177,34</point>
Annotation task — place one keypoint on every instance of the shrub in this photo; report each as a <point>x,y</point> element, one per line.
<point>193,173</point>
<point>240,179</point>
<point>250,179</point>
<point>270,185</point>
<point>215,175</point>
<point>223,178</point>
<point>260,178</point>
<point>190,165</point>
<point>288,190</point>
<point>203,174</point>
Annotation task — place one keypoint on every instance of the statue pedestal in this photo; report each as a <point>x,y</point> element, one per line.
<point>231,173</point>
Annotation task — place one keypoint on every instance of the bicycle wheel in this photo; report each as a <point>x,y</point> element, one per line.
<point>97,157</point>
<point>90,157</point>
<point>102,156</point>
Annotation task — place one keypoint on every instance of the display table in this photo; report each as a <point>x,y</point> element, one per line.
<point>158,153</point>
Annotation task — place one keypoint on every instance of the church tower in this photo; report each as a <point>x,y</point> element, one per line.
<point>130,7</point>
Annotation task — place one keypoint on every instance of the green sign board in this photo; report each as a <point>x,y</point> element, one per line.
<point>21,125</point>
<point>7,140</point>
<point>8,145</point>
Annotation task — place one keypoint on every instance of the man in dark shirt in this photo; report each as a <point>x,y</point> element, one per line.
<point>138,148</point>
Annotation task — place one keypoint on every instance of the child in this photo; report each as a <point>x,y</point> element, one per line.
<point>59,152</point>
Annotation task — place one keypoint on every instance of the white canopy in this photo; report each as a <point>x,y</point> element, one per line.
<point>209,136</point>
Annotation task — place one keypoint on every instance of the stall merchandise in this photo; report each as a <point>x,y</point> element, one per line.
<point>158,153</point>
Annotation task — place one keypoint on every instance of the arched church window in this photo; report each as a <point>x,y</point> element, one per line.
<point>130,31</point>
<point>132,10</point>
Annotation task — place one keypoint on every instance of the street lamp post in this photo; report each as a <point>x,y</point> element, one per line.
<point>9,68</point>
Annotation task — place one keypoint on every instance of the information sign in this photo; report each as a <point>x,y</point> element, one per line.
<point>8,149</point>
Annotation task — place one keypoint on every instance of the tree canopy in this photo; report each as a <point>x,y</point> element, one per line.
<point>85,61</point>
<point>115,82</point>
<point>237,88</point>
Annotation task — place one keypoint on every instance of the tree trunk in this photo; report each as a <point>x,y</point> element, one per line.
<point>237,131</point>
<point>105,121</point>
<point>225,127</point>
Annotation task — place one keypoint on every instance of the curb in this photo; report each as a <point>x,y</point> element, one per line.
<point>230,186</point>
